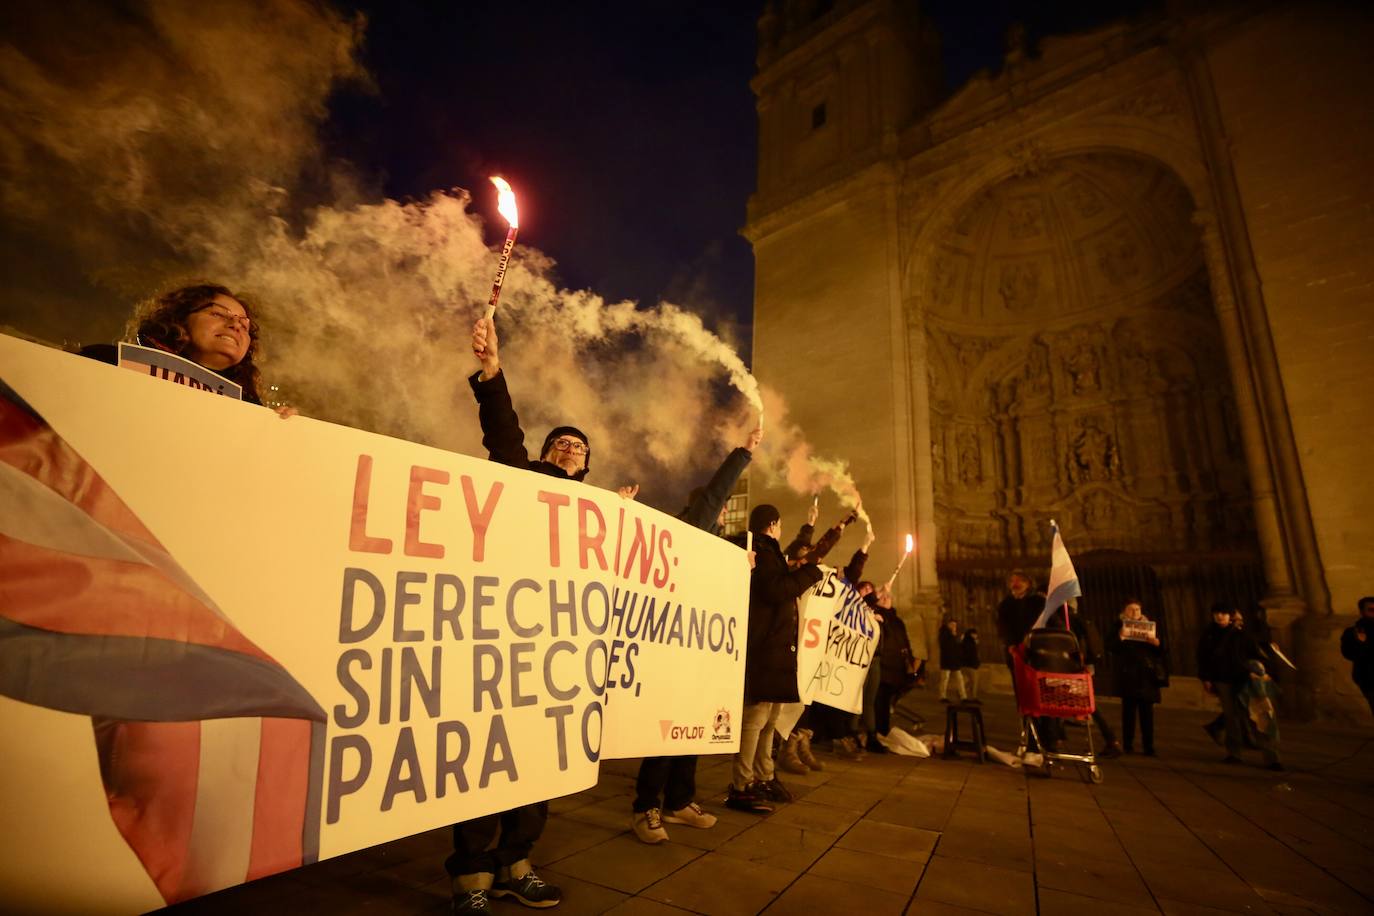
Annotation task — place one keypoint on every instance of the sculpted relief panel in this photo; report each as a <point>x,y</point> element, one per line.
<point>1122,430</point>
<point>1076,370</point>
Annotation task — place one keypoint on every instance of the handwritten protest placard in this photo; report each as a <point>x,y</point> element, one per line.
<point>283,640</point>
<point>161,364</point>
<point>839,635</point>
<point>1141,630</point>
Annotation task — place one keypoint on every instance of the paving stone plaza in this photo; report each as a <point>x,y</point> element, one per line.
<point>1180,834</point>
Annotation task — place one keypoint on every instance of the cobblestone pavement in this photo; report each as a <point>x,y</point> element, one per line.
<point>1180,834</point>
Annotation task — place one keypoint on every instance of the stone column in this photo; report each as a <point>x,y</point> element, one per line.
<point>1302,617</point>
<point>1283,597</point>
<point>1250,346</point>
<point>922,565</point>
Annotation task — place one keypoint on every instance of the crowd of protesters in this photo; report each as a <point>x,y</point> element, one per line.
<point>1236,663</point>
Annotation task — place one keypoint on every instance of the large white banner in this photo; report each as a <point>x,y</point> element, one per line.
<point>839,635</point>
<point>231,643</point>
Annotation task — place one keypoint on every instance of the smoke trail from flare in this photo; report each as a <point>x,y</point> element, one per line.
<point>789,458</point>
<point>187,139</point>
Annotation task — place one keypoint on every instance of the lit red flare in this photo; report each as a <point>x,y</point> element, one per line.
<point>505,204</point>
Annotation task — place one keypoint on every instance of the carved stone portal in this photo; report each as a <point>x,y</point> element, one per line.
<point>1081,372</point>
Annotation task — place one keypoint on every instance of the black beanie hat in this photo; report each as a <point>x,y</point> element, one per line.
<point>763,516</point>
<point>576,433</point>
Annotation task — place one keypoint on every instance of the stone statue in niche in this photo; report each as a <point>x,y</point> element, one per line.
<point>970,462</point>
<point>1092,454</point>
<point>937,459</point>
<point>1083,369</point>
<point>946,278</point>
<point>1019,285</point>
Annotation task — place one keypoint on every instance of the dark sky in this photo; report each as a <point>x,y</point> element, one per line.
<point>628,128</point>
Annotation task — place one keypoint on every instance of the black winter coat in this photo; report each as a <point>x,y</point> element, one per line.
<point>1135,664</point>
<point>1360,654</point>
<point>1016,617</point>
<point>894,649</point>
<point>1089,642</point>
<point>704,511</point>
<point>502,436</point>
<point>951,651</point>
<point>969,651</point>
<point>852,572</point>
<point>770,661</point>
<point>1222,653</point>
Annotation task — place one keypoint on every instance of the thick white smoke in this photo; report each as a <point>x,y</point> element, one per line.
<point>184,143</point>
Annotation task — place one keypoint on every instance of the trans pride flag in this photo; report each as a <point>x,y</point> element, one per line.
<point>1063,580</point>
<point>210,752</point>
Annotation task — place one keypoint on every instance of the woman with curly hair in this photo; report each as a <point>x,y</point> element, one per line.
<point>205,323</point>
<point>208,325</point>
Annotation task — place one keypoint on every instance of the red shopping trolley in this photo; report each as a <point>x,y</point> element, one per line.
<point>1052,681</point>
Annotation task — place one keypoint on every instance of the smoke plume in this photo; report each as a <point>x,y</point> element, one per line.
<point>167,141</point>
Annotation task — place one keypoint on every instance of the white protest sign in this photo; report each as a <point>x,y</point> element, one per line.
<point>839,635</point>
<point>284,640</point>
<point>161,364</point>
<point>1140,630</point>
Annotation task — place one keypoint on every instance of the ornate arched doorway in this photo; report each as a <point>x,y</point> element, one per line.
<point>1077,372</point>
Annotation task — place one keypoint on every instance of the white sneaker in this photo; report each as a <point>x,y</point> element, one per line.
<point>648,826</point>
<point>692,816</point>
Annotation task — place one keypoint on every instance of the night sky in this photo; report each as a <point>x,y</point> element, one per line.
<point>627,128</point>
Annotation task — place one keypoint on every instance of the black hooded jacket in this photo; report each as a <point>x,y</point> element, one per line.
<point>1360,653</point>
<point>502,436</point>
<point>852,573</point>
<point>1016,616</point>
<point>1222,653</point>
<point>770,662</point>
<point>704,508</point>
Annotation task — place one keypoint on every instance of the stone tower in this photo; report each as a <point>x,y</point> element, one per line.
<point>1118,284</point>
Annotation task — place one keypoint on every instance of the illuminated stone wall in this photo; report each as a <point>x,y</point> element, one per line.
<point>1125,283</point>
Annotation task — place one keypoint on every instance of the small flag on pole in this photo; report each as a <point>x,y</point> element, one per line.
<point>1063,579</point>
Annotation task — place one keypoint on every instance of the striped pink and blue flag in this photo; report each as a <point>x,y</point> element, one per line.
<point>1063,580</point>
<point>211,753</point>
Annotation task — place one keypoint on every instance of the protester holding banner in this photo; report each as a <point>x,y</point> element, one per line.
<point>801,549</point>
<point>673,779</point>
<point>204,323</point>
<point>770,667</point>
<point>504,869</point>
<point>824,721</point>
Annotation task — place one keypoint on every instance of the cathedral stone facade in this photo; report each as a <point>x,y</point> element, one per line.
<point>1126,283</point>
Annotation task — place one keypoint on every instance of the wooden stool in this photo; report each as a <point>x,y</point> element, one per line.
<point>953,744</point>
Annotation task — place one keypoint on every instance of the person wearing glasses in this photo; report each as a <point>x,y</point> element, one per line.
<point>566,451</point>
<point>204,323</point>
<point>504,869</point>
